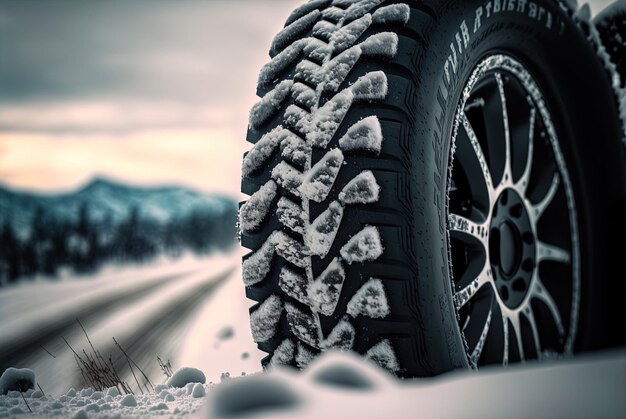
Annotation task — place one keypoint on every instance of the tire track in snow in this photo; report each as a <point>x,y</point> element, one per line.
<point>14,350</point>
<point>161,335</point>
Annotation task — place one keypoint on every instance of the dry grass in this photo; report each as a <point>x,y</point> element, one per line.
<point>165,367</point>
<point>100,373</point>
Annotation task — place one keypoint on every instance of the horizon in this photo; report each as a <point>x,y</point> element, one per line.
<point>111,180</point>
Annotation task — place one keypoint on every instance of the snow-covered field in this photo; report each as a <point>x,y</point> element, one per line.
<point>341,385</point>
<point>193,312</point>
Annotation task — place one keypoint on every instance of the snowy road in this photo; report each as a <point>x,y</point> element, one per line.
<point>148,310</point>
<point>49,328</point>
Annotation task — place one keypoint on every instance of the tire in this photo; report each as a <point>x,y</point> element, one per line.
<point>611,27</point>
<point>608,32</point>
<point>350,172</point>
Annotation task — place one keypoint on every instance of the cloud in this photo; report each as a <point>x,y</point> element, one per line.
<point>201,53</point>
<point>95,117</point>
<point>201,158</point>
<point>143,91</point>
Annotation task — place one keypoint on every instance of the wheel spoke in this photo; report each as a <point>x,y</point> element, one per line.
<point>505,333</point>
<point>453,188</point>
<point>522,183</point>
<point>541,206</point>
<point>463,228</point>
<point>528,313</point>
<point>507,176</point>
<point>464,295</point>
<point>541,293</point>
<point>480,156</point>
<point>467,321</point>
<point>478,349</point>
<point>547,251</point>
<point>517,330</point>
<point>476,103</point>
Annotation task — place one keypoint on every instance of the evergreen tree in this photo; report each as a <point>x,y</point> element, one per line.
<point>9,254</point>
<point>83,246</point>
<point>132,242</point>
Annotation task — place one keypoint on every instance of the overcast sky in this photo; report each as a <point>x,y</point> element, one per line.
<point>143,91</point>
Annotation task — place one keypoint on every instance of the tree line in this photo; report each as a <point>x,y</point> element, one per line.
<point>84,244</point>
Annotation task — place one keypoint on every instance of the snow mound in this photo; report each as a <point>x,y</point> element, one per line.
<point>128,401</point>
<point>343,384</point>
<point>185,375</point>
<point>198,391</point>
<point>250,395</point>
<point>176,404</point>
<point>341,375</point>
<point>17,379</point>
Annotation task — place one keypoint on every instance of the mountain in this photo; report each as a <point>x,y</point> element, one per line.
<point>106,199</point>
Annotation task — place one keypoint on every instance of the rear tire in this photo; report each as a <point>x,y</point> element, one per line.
<point>348,176</point>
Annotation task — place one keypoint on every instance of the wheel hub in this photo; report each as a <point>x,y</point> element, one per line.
<point>511,248</point>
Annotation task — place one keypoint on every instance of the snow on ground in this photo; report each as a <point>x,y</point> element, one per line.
<point>341,385</point>
<point>168,310</point>
<point>219,340</point>
<point>167,401</point>
<point>215,337</point>
<point>28,304</point>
